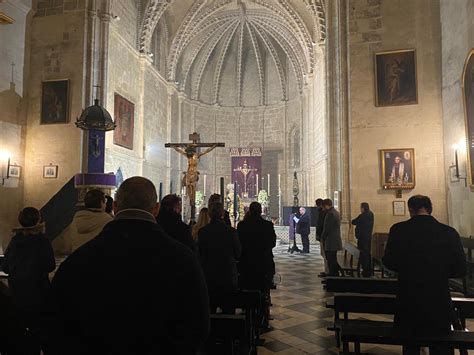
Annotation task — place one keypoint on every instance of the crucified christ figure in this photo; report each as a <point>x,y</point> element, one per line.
<point>190,151</point>
<point>191,177</point>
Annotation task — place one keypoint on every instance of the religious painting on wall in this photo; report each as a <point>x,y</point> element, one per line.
<point>50,171</point>
<point>246,171</point>
<point>398,168</point>
<point>55,102</point>
<point>395,78</point>
<point>124,116</point>
<point>468,96</point>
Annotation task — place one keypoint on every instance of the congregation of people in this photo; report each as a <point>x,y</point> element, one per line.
<point>141,281</point>
<point>138,279</point>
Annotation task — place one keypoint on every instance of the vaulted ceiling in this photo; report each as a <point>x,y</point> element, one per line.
<point>235,52</point>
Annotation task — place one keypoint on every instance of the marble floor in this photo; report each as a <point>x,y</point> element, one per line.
<point>300,318</point>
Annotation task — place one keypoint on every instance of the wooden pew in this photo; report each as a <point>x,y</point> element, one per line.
<point>243,327</point>
<point>360,285</point>
<point>390,336</point>
<point>351,252</point>
<point>348,303</point>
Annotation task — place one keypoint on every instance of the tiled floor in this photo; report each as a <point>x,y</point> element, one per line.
<point>299,312</point>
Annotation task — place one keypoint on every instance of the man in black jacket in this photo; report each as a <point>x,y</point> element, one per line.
<point>170,220</point>
<point>132,289</point>
<point>363,232</point>
<point>425,253</point>
<point>303,228</point>
<point>258,238</point>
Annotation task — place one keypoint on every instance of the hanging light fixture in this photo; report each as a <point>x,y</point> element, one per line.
<point>95,117</point>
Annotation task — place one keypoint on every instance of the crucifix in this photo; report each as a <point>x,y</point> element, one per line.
<point>245,170</point>
<point>192,152</point>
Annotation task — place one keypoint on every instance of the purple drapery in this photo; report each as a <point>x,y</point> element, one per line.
<point>246,165</point>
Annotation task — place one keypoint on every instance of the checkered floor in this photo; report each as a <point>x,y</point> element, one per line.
<point>300,318</point>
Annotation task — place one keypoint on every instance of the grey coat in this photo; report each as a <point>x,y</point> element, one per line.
<point>331,235</point>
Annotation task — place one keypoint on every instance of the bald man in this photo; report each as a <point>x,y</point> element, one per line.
<point>132,289</point>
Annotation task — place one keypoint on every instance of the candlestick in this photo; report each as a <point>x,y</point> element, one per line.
<point>204,188</point>
<point>268,184</point>
<point>456,162</point>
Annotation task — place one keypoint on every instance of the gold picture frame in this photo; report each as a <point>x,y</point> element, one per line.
<point>467,89</point>
<point>395,78</point>
<point>397,168</point>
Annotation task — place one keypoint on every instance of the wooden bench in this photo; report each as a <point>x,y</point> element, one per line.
<point>348,303</point>
<point>351,252</point>
<point>360,285</point>
<point>390,336</point>
<point>243,327</point>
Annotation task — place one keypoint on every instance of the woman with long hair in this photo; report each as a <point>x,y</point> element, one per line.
<point>203,220</point>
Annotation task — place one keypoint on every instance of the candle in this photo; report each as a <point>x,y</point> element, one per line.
<point>268,184</point>
<point>279,184</point>
<point>204,188</point>
<point>257,184</point>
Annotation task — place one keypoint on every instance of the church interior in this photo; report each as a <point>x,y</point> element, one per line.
<point>353,100</point>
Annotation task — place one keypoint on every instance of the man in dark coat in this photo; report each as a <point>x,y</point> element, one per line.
<point>132,289</point>
<point>425,253</point>
<point>331,237</point>
<point>303,228</point>
<point>170,220</point>
<point>219,251</point>
<point>363,232</point>
<point>257,237</point>
<point>321,213</point>
<point>28,260</point>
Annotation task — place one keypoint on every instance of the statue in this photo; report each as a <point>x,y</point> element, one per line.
<point>191,177</point>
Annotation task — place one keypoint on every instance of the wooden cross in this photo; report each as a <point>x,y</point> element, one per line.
<point>190,151</point>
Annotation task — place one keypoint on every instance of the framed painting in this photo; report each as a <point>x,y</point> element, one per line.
<point>399,208</point>
<point>50,172</point>
<point>468,98</point>
<point>54,102</point>
<point>398,168</point>
<point>14,171</point>
<point>395,78</point>
<point>124,116</point>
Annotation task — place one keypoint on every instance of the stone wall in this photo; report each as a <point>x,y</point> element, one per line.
<point>57,52</point>
<point>377,26</point>
<point>457,34</point>
<point>12,101</point>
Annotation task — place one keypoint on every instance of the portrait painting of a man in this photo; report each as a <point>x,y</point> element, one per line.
<point>395,78</point>
<point>398,168</point>
<point>124,114</point>
<point>54,102</point>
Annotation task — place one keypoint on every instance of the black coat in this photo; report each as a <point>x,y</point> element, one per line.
<point>219,250</point>
<point>28,260</point>
<point>257,237</point>
<point>303,225</point>
<point>131,290</point>
<point>364,225</point>
<point>173,226</point>
<point>320,222</point>
<point>425,253</point>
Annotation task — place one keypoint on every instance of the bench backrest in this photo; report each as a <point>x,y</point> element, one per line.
<point>361,285</point>
<point>468,243</point>
<point>386,304</point>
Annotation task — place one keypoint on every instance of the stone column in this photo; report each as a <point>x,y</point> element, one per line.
<point>337,59</point>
